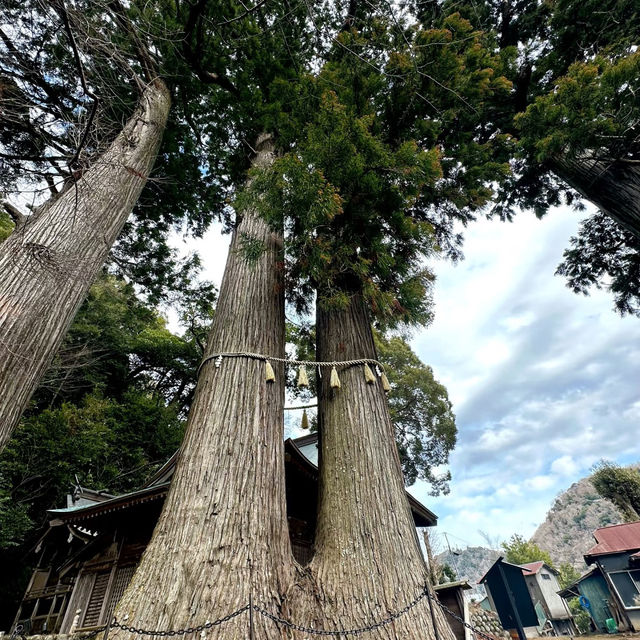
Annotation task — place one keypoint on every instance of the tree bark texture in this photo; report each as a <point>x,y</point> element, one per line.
<point>222,535</point>
<point>50,260</point>
<point>613,186</point>
<point>367,561</point>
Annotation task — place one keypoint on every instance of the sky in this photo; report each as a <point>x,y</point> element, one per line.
<point>544,383</point>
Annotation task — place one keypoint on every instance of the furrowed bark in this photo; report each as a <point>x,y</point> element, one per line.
<point>48,264</point>
<point>222,535</point>
<point>367,561</point>
<point>613,186</point>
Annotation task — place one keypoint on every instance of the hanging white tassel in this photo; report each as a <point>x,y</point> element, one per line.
<point>269,375</point>
<point>303,379</point>
<point>334,383</point>
<point>368,374</point>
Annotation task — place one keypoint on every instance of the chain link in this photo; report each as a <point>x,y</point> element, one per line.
<point>342,632</point>
<point>461,620</point>
<point>287,623</point>
<point>180,632</point>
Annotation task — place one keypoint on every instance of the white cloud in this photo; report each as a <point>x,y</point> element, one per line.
<point>565,466</point>
<point>544,382</point>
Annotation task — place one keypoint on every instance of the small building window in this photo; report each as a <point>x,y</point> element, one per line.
<point>545,576</point>
<point>627,584</point>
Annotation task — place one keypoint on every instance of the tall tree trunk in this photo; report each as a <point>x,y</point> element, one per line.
<point>613,186</point>
<point>367,561</point>
<point>49,262</point>
<point>223,535</point>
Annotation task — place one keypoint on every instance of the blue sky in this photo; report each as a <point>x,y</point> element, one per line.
<point>544,383</point>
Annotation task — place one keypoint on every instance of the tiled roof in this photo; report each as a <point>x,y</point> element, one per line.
<point>616,538</point>
<point>532,567</point>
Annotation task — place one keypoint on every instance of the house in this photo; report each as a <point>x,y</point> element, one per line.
<point>93,545</point>
<point>509,597</point>
<point>526,599</point>
<point>552,611</point>
<point>611,589</point>
<point>451,595</point>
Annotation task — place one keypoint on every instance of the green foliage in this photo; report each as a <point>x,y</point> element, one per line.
<point>591,110</point>
<point>567,575</point>
<point>620,485</point>
<point>421,413</point>
<point>447,574</point>
<point>603,252</point>
<point>372,156</point>
<point>520,551</point>
<point>575,73</point>
<point>117,341</point>
<point>581,618</point>
<point>6,226</point>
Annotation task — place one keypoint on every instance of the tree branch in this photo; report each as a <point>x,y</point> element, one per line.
<point>141,50</point>
<point>350,17</point>
<point>62,12</point>
<point>193,56</point>
<point>242,15</point>
<point>16,215</point>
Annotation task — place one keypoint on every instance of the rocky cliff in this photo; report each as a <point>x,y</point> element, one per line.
<point>567,532</point>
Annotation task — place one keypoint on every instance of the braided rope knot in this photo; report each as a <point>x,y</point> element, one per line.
<point>342,364</point>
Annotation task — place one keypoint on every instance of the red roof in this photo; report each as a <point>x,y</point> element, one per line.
<point>616,538</point>
<point>532,567</point>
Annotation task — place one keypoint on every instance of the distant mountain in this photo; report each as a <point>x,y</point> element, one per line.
<point>567,532</point>
<point>470,563</point>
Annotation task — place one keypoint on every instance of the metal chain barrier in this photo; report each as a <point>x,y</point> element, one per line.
<point>180,632</point>
<point>461,620</point>
<point>342,632</point>
<point>287,623</point>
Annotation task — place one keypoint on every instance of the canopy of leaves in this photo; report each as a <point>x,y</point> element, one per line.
<point>575,70</point>
<point>421,414</point>
<point>116,341</point>
<point>376,156</point>
<point>604,254</point>
<point>620,485</point>
<point>520,551</point>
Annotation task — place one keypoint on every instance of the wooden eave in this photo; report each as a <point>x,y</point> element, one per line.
<point>158,486</point>
<point>82,514</point>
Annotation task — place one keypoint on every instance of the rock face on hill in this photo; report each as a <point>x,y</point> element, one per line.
<point>567,532</point>
<point>470,563</point>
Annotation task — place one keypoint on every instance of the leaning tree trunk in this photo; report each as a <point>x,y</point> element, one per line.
<point>613,186</point>
<point>367,561</point>
<point>49,262</point>
<point>222,535</point>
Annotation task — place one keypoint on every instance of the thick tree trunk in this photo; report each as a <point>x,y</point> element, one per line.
<point>223,535</point>
<point>49,262</point>
<point>367,561</point>
<point>613,186</point>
